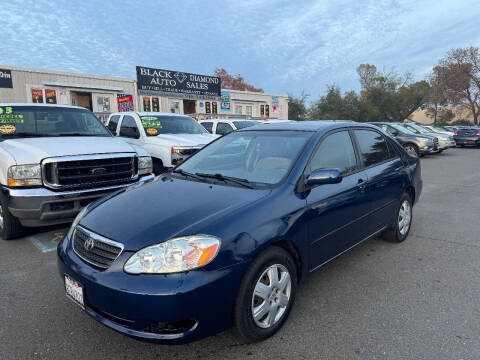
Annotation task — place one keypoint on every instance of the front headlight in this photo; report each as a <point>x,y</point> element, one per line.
<point>75,222</point>
<point>175,255</point>
<point>145,165</point>
<point>425,141</point>
<point>24,175</point>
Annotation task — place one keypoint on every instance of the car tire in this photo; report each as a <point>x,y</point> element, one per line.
<point>412,149</point>
<point>10,227</point>
<point>399,230</point>
<point>259,293</point>
<point>158,167</point>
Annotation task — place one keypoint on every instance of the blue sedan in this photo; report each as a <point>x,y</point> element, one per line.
<point>226,237</point>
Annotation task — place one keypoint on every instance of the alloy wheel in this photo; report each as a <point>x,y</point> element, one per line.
<point>404,217</point>
<point>411,150</point>
<point>271,296</point>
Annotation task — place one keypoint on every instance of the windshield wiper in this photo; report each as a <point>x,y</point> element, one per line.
<point>186,174</point>
<point>239,181</point>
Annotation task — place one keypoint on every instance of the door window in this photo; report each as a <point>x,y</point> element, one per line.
<point>223,128</point>
<point>373,147</point>
<point>208,126</point>
<point>112,124</point>
<point>335,151</point>
<point>129,128</point>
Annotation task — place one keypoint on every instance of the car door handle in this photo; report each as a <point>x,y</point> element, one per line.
<point>361,185</point>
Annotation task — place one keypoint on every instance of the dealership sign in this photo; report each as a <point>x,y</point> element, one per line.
<point>161,82</point>
<point>125,102</point>
<point>6,79</point>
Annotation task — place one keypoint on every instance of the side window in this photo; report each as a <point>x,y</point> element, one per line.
<point>208,126</point>
<point>373,147</point>
<point>335,151</point>
<point>223,128</point>
<point>112,124</point>
<point>129,128</point>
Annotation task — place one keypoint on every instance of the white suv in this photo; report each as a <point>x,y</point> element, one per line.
<point>225,126</point>
<point>168,138</point>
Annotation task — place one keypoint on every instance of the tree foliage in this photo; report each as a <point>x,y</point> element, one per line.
<point>297,107</point>
<point>234,82</point>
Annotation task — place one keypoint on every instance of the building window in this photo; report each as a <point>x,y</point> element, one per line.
<point>174,107</point>
<point>238,109</point>
<point>248,110</point>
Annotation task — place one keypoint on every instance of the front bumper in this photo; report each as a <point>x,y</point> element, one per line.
<point>41,206</point>
<point>139,305</point>
<point>428,149</point>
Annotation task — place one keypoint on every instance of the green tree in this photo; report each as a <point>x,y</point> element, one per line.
<point>335,106</point>
<point>297,108</point>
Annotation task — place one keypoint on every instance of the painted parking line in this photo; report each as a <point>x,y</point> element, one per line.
<point>48,241</point>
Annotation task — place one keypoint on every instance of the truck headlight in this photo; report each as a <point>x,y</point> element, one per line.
<point>177,156</point>
<point>145,165</point>
<point>175,255</point>
<point>24,175</point>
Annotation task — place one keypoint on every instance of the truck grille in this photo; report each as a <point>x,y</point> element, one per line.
<point>73,172</point>
<point>95,249</point>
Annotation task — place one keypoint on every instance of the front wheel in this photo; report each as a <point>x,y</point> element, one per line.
<point>10,227</point>
<point>266,295</point>
<point>402,222</point>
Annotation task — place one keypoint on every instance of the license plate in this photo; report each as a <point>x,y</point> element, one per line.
<point>74,291</point>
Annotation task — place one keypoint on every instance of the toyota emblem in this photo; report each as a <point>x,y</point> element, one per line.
<point>89,244</point>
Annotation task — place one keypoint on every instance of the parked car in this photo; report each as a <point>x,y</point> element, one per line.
<point>467,136</point>
<point>444,141</point>
<point>168,138</point>
<point>225,126</point>
<point>56,159</point>
<point>438,129</point>
<point>227,236</point>
<point>414,144</point>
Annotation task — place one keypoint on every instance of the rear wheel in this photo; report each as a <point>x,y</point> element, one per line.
<point>402,222</point>
<point>10,227</point>
<point>266,295</point>
<point>412,149</point>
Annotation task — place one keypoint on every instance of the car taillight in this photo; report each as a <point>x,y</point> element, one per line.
<point>478,132</point>
<point>455,132</point>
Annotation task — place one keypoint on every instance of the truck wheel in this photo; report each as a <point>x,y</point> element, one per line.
<point>412,149</point>
<point>402,222</point>
<point>266,295</point>
<point>158,167</point>
<point>10,227</point>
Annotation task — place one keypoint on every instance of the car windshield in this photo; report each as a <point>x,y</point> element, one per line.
<point>245,124</point>
<point>402,129</point>
<point>437,128</point>
<point>417,127</point>
<point>42,121</point>
<point>155,125</point>
<point>262,158</point>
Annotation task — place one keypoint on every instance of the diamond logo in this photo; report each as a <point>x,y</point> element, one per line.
<point>180,77</point>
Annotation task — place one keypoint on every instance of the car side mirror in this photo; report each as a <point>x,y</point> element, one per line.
<point>324,176</point>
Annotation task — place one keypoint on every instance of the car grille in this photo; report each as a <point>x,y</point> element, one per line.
<point>95,249</point>
<point>90,171</point>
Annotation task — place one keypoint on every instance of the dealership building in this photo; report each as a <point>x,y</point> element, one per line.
<point>154,90</point>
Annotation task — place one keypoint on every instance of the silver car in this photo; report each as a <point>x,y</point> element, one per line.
<point>444,141</point>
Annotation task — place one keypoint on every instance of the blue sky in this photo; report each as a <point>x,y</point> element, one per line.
<point>282,46</point>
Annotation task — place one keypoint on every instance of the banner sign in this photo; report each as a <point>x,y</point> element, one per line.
<point>225,101</point>
<point>157,82</point>
<point>207,107</point>
<point>37,96</point>
<point>146,104</point>
<point>125,102</point>
<point>214,107</point>
<point>50,96</point>
<point>155,105</point>
<point>6,79</point>
<point>275,103</point>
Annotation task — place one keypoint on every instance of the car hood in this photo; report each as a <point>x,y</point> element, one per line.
<point>182,139</point>
<point>34,150</point>
<point>165,208</point>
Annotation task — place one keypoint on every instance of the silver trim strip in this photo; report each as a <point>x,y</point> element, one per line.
<point>98,238</point>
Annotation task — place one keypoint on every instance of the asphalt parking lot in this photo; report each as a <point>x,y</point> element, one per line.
<point>415,300</point>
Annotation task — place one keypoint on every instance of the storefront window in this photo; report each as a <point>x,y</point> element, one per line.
<point>174,107</point>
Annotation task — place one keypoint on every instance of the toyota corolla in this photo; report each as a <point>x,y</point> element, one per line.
<point>226,237</point>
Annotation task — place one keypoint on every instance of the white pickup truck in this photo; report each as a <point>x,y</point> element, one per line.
<point>56,159</point>
<point>168,138</point>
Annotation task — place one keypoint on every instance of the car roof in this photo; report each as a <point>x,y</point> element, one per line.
<point>44,105</point>
<point>316,125</point>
